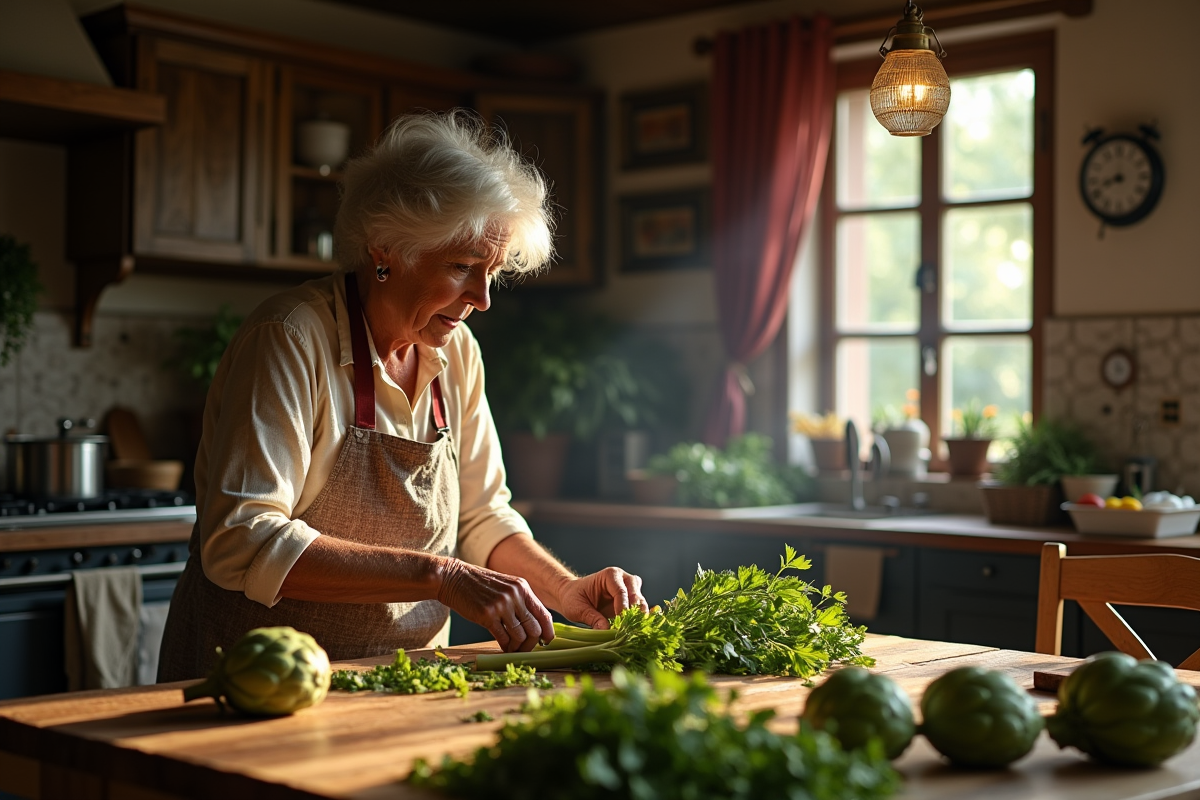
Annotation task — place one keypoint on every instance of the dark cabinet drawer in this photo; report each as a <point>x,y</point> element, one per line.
<point>988,572</point>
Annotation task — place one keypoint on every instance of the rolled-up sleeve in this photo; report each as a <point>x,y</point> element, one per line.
<point>254,460</point>
<point>485,516</point>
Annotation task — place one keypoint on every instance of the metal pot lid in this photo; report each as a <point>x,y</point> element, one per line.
<point>29,438</point>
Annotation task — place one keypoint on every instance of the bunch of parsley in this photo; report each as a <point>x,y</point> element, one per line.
<point>405,676</point>
<point>663,737</point>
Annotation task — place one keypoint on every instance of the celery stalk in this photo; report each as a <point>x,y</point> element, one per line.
<point>548,659</point>
<point>581,634</point>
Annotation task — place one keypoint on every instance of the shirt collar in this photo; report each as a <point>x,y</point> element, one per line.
<point>430,355</point>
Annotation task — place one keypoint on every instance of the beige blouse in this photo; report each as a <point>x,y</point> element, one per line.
<point>276,414</point>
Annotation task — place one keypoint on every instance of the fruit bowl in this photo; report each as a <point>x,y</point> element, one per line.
<point>1146,523</point>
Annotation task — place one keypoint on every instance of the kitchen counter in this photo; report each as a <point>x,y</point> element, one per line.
<point>145,743</point>
<point>66,536</point>
<point>944,531</point>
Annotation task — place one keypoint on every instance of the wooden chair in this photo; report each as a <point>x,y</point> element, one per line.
<point>1095,582</point>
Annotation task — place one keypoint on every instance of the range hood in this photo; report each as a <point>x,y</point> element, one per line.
<point>53,86</point>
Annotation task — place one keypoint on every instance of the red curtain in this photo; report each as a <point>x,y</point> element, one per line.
<point>773,98</point>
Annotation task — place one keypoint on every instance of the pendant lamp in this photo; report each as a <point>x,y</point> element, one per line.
<point>910,93</point>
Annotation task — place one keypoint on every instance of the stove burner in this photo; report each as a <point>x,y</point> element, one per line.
<point>115,500</point>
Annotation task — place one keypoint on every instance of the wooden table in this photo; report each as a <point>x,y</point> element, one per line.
<point>144,744</point>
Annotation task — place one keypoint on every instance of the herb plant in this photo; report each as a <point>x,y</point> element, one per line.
<point>199,350</point>
<point>405,676</point>
<point>743,474</point>
<point>973,421</point>
<point>1042,452</point>
<point>749,622</point>
<point>666,737</point>
<point>19,289</point>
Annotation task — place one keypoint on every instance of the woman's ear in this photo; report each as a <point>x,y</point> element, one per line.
<point>378,255</point>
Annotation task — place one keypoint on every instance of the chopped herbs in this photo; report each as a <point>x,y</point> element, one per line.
<point>663,737</point>
<point>749,622</point>
<point>481,715</point>
<point>405,676</point>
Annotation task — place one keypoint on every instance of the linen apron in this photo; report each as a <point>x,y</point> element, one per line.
<point>383,490</point>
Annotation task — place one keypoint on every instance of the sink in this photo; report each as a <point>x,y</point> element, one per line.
<point>844,511</point>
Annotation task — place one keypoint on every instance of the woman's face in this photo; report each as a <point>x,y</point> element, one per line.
<point>426,300</point>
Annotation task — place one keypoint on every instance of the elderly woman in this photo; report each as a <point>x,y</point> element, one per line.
<point>349,480</point>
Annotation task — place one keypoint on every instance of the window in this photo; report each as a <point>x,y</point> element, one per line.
<point>936,250</point>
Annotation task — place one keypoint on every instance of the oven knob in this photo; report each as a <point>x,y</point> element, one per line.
<point>112,560</point>
<point>135,554</point>
<point>78,557</point>
<point>31,565</point>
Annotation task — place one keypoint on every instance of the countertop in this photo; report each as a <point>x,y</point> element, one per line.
<point>145,743</point>
<point>947,531</point>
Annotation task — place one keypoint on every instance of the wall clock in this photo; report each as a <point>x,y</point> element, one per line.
<point>1121,179</point>
<point>1118,368</point>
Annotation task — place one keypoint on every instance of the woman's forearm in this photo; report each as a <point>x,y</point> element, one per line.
<point>337,571</point>
<point>520,555</point>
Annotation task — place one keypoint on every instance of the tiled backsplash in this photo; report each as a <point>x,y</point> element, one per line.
<point>1129,422</point>
<point>126,366</point>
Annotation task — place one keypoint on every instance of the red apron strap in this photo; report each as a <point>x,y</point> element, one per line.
<point>364,374</point>
<point>439,405</point>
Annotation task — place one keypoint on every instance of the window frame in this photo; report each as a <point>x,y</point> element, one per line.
<point>1034,51</point>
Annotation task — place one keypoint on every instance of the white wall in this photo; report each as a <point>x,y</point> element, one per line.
<point>1123,66</point>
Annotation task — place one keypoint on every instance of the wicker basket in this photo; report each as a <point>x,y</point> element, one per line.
<point>1022,505</point>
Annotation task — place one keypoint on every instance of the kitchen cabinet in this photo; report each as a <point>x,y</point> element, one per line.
<point>558,132</point>
<point>306,192</point>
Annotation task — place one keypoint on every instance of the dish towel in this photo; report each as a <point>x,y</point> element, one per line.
<point>101,627</point>
<point>857,571</point>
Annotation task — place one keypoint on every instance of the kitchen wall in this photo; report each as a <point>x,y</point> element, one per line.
<point>1116,68</point>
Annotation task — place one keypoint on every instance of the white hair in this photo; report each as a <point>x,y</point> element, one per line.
<point>435,180</point>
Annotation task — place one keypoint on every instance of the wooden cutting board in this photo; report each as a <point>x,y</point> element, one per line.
<point>125,435</point>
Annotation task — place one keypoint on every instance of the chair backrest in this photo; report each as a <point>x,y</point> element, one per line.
<point>1096,582</point>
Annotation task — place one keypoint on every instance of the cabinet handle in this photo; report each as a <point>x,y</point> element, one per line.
<point>987,571</point>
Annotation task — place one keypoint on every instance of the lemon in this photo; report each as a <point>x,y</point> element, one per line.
<point>1131,503</point>
<point>1112,502</point>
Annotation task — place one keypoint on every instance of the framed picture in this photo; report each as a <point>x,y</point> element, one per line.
<point>664,127</point>
<point>667,230</point>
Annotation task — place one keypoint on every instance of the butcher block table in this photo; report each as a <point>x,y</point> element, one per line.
<point>145,744</point>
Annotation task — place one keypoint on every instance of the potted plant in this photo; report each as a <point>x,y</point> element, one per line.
<point>19,290</point>
<point>826,435</point>
<point>975,427</point>
<point>1026,491</point>
<point>555,373</point>
<point>742,475</point>
<point>906,435</point>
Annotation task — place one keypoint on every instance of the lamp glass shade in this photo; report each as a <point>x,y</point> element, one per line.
<point>910,93</point>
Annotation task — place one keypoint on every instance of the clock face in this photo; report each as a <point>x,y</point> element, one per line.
<point>1117,368</point>
<point>1121,180</point>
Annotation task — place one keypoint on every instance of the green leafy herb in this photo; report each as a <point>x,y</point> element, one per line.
<point>663,737</point>
<point>749,622</point>
<point>405,676</point>
<point>19,290</point>
<point>741,475</point>
<point>1042,452</point>
<point>481,715</point>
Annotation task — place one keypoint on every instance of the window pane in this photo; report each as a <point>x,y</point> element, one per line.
<point>874,168</point>
<point>988,137</point>
<point>987,274</point>
<point>877,258</point>
<point>875,374</point>
<point>989,370</point>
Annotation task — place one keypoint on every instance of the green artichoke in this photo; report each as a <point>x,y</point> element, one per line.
<point>979,718</point>
<point>856,706</point>
<point>1123,711</point>
<point>269,672</point>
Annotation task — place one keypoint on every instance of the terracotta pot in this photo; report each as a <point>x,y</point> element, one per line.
<point>829,454</point>
<point>968,456</point>
<point>652,490</point>
<point>535,466</point>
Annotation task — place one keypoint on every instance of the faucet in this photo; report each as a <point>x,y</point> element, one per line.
<point>880,461</point>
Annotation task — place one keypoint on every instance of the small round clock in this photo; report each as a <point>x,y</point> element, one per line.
<point>1121,179</point>
<point>1118,368</point>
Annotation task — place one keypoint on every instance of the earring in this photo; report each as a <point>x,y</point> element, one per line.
<point>382,272</point>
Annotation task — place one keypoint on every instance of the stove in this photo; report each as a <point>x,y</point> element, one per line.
<point>115,506</point>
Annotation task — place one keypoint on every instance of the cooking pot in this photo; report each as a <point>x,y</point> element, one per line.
<point>68,465</point>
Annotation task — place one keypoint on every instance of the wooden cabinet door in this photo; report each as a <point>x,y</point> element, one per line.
<point>197,177</point>
<point>558,133</point>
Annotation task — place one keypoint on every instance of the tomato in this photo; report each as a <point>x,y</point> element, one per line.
<point>1091,499</point>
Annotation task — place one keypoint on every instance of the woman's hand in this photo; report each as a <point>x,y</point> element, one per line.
<point>505,605</point>
<point>594,598</point>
